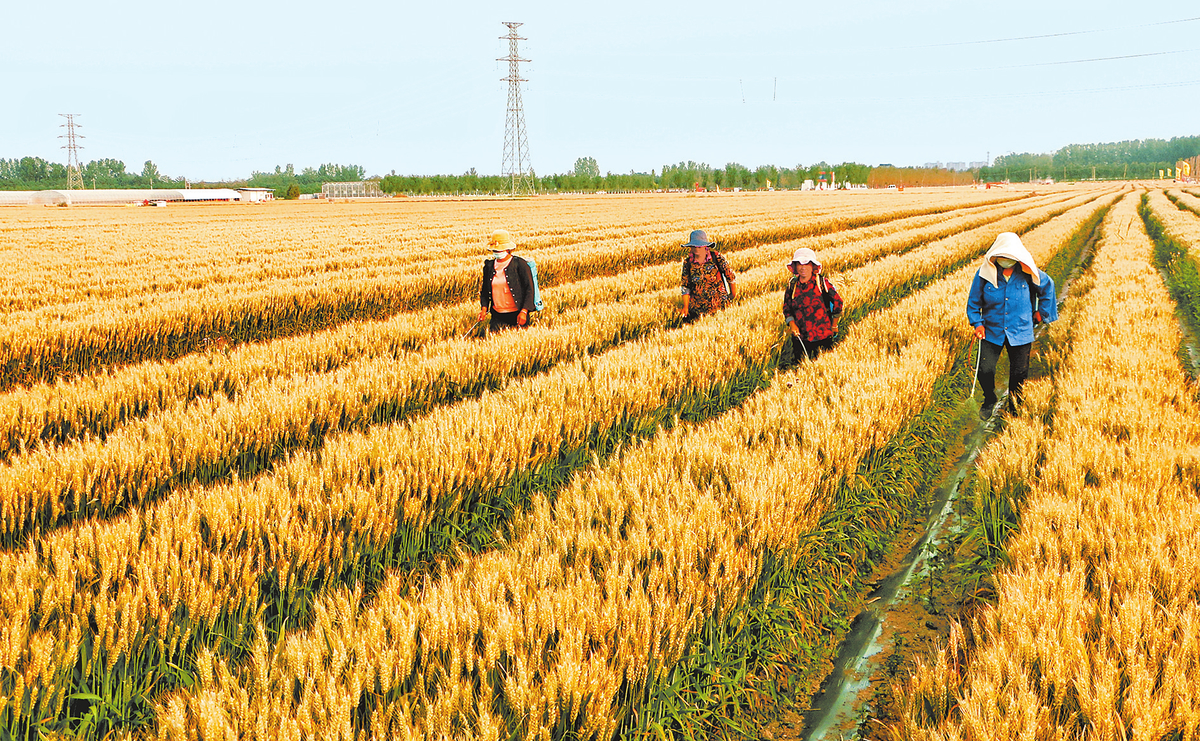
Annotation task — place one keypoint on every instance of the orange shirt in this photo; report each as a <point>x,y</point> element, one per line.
<point>502,298</point>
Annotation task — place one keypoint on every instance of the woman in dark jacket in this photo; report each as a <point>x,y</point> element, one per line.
<point>507,286</point>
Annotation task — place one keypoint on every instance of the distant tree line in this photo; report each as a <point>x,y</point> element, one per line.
<point>1141,159</point>
<point>586,178</point>
<point>287,183</point>
<point>35,173</point>
<point>1137,159</point>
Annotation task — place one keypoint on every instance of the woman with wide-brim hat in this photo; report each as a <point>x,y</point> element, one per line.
<point>507,286</point>
<point>708,283</point>
<point>811,306</point>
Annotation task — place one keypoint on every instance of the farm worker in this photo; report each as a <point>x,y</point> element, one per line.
<point>811,306</point>
<point>708,284</point>
<point>507,286</point>
<point>1001,307</point>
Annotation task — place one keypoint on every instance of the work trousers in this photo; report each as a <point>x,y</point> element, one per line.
<point>810,348</point>
<point>501,321</point>
<point>1018,371</point>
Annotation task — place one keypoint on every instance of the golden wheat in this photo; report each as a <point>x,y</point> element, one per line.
<point>706,501</point>
<point>96,405</point>
<point>1096,631</point>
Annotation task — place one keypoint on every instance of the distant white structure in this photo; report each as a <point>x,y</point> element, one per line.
<point>357,189</point>
<point>977,165</point>
<point>933,165</point>
<point>256,195</point>
<point>957,166</point>
<point>114,197</point>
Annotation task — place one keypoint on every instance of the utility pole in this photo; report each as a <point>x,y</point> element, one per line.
<point>74,172</point>
<point>516,164</point>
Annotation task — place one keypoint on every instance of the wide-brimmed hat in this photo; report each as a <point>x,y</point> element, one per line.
<point>804,255</point>
<point>698,239</point>
<point>503,239</point>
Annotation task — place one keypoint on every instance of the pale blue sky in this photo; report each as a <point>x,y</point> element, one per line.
<point>217,90</point>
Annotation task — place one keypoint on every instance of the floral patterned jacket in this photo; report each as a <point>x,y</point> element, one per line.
<point>803,303</point>
<point>702,281</point>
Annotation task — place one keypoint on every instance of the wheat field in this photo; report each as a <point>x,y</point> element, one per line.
<point>258,482</point>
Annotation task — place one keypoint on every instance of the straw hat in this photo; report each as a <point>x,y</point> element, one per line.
<point>503,240</point>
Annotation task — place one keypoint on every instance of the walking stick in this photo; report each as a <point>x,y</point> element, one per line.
<point>803,347</point>
<point>978,355</point>
<point>467,334</point>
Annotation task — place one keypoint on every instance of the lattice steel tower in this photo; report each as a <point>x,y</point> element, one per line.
<point>74,171</point>
<point>516,165</point>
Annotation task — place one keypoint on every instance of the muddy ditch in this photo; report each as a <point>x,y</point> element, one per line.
<point>911,599</point>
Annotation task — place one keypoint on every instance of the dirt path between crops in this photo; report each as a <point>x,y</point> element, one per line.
<point>912,599</point>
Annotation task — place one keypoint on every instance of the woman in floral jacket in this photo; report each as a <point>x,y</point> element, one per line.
<point>705,278</point>
<point>811,306</point>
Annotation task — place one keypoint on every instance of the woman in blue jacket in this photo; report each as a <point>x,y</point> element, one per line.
<point>1008,297</point>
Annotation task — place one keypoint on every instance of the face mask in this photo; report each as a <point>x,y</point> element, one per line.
<point>498,255</point>
<point>1005,262</point>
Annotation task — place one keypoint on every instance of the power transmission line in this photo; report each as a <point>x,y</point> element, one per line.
<point>516,165</point>
<point>74,171</point>
<point>1050,35</point>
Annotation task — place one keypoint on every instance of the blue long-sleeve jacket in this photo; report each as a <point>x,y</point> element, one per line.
<point>1005,310</point>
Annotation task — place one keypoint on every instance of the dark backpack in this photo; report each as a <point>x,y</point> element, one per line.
<point>1033,298</point>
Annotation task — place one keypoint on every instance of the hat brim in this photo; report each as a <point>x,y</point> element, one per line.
<point>698,244</point>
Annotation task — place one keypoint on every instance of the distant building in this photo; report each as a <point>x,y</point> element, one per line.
<point>933,165</point>
<point>358,189</point>
<point>957,166</point>
<point>256,195</point>
<point>115,197</point>
<point>977,165</point>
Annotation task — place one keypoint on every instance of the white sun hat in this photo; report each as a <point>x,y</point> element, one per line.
<point>805,255</point>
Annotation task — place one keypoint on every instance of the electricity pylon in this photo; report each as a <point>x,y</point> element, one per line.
<point>74,171</point>
<point>516,166</point>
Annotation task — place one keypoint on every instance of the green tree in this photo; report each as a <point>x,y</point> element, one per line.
<point>293,192</point>
<point>150,173</point>
<point>586,167</point>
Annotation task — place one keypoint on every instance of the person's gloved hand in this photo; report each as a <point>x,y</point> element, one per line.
<point>979,332</point>
<point>482,314</point>
<point>522,318</point>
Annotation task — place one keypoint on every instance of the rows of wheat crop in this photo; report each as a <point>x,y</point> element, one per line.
<point>616,573</point>
<point>191,551</point>
<point>94,255</point>
<point>208,438</point>
<point>467,247</point>
<point>1096,629</point>
<point>62,411</point>
<point>1176,234</point>
<point>1182,225</point>
<point>284,251</point>
<point>66,339</point>
<point>1186,200</point>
